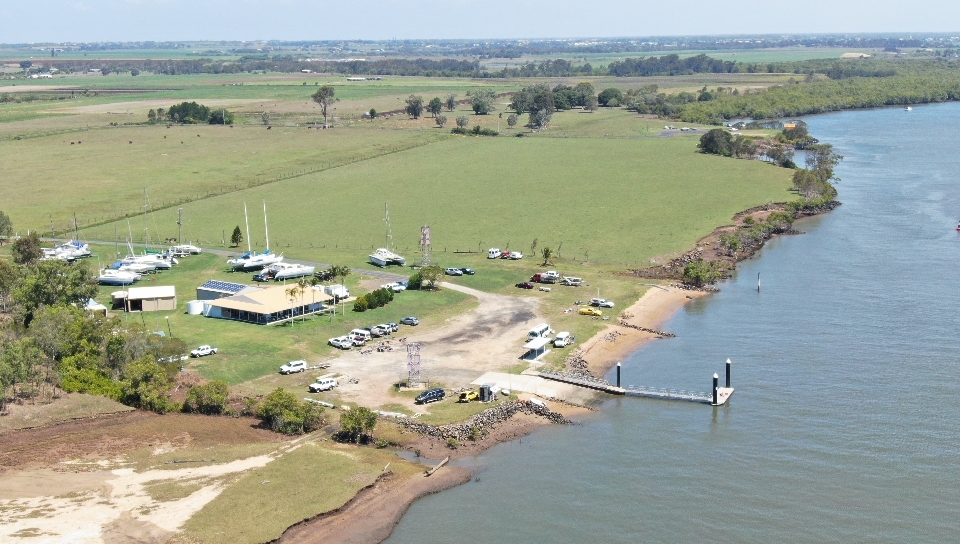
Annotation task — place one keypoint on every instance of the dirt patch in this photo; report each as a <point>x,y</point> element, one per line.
<point>68,407</point>
<point>484,339</point>
<point>108,438</point>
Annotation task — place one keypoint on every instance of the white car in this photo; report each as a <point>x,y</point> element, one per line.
<point>601,302</point>
<point>453,272</point>
<point>515,255</point>
<point>293,366</point>
<point>203,350</point>
<point>563,339</point>
<point>341,342</point>
<point>323,384</point>
<point>395,287</point>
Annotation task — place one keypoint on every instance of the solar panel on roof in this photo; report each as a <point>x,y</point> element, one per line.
<point>223,286</point>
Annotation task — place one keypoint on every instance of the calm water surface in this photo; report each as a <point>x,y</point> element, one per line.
<point>846,422</point>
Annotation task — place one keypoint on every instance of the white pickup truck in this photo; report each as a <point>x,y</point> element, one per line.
<point>293,366</point>
<point>203,350</point>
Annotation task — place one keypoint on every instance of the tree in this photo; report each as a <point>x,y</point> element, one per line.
<point>482,101</point>
<point>144,385</point>
<point>512,120</point>
<point>540,119</point>
<point>358,422</point>
<point>431,275</point>
<point>441,120</point>
<point>26,249</point>
<point>547,253</point>
<point>26,64</point>
<point>462,121</point>
<point>6,227</point>
<point>161,114</point>
<point>104,70</point>
<point>610,97</point>
<point>451,102</point>
<point>236,237</point>
<point>189,112</point>
<point>699,273</point>
<point>152,116</point>
<point>265,118</point>
<point>283,413</point>
<point>341,272</point>
<point>372,113</point>
<point>590,103</point>
<point>325,96</point>
<point>415,106</point>
<point>435,106</point>
<point>583,92</point>
<point>49,283</point>
<point>221,117</point>
<point>822,160</point>
<point>134,72</point>
<point>716,142</point>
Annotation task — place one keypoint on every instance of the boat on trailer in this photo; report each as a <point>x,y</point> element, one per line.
<point>384,257</point>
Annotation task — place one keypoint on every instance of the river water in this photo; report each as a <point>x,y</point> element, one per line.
<point>845,426</point>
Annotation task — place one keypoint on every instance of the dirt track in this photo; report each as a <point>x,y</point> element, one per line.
<point>488,338</point>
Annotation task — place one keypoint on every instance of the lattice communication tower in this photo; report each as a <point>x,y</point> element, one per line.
<point>413,364</point>
<point>425,245</point>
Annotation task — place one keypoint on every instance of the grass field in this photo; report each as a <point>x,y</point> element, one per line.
<point>605,199</point>
<point>312,479</point>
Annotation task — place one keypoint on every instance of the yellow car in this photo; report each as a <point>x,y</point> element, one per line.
<point>467,396</point>
<point>590,311</point>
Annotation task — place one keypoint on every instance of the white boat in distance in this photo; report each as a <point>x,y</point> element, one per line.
<point>286,271</point>
<point>384,257</point>
<point>69,251</point>
<point>110,276</point>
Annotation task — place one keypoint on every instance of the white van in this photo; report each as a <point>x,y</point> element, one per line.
<point>494,253</point>
<point>563,339</point>
<point>540,331</point>
<point>361,332</point>
<point>571,281</point>
<point>323,384</point>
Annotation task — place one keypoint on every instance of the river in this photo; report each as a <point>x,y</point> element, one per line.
<point>846,421</point>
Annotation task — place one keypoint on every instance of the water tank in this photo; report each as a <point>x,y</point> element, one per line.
<point>195,307</point>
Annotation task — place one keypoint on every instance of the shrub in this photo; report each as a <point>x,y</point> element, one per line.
<point>357,423</point>
<point>209,398</point>
<point>283,413</point>
<point>415,282</point>
<point>453,443</point>
<point>144,385</point>
<point>360,305</point>
<point>700,272</point>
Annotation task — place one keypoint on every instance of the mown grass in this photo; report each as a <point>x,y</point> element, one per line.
<point>248,351</point>
<point>312,479</point>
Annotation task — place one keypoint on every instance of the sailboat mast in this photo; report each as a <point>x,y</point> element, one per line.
<point>386,219</point>
<point>76,228</point>
<point>246,220</point>
<point>265,227</point>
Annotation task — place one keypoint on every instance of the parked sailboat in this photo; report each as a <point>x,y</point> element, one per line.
<point>252,260</point>
<point>383,256</point>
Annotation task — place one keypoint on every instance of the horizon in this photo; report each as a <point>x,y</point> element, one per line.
<point>125,21</point>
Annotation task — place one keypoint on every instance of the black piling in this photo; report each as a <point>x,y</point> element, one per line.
<point>618,374</point>
<point>716,387</point>
<point>728,373</point>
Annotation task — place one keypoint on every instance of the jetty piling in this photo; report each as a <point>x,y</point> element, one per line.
<point>618,375</point>
<point>716,387</point>
<point>728,373</point>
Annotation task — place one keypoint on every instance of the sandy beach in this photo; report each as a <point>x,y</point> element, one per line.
<point>654,308</point>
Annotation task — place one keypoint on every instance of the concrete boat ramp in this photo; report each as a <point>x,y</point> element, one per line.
<point>580,391</point>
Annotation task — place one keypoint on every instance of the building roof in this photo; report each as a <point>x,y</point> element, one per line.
<point>268,300</point>
<point>157,291</point>
<point>537,343</point>
<point>223,287</point>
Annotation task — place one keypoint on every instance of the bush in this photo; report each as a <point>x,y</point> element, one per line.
<point>360,305</point>
<point>357,423</point>
<point>188,112</point>
<point>415,282</point>
<point>283,413</point>
<point>700,272</point>
<point>453,443</point>
<point>209,398</point>
<point>221,117</point>
<point>476,131</point>
<point>144,385</point>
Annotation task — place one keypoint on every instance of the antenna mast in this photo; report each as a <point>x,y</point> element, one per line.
<point>180,225</point>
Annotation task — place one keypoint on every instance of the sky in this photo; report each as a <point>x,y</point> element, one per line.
<point>27,21</point>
